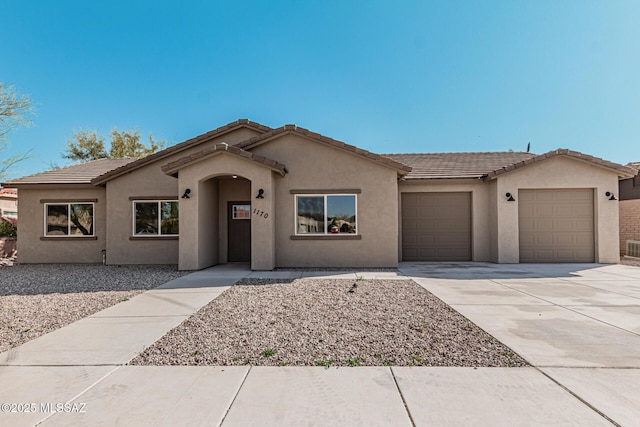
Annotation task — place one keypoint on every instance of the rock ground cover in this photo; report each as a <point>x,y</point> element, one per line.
<point>40,298</point>
<point>328,322</point>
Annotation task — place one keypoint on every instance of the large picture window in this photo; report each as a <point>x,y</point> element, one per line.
<point>156,218</point>
<point>69,219</point>
<point>326,214</point>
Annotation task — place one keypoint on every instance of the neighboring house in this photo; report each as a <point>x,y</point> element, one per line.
<point>288,197</point>
<point>9,203</point>
<point>629,209</point>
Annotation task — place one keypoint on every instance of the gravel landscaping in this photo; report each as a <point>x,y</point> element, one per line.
<point>328,322</point>
<point>39,298</point>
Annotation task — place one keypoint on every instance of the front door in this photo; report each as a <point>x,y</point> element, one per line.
<point>239,215</point>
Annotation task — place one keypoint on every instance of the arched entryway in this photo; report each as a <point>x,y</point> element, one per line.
<point>226,184</point>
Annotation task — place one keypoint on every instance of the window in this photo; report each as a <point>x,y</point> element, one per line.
<point>69,219</point>
<point>10,214</point>
<point>156,218</point>
<point>241,212</point>
<point>326,214</point>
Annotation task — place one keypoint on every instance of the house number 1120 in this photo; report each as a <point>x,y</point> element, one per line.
<point>260,213</point>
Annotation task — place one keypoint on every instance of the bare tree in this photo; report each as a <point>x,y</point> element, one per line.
<point>15,110</point>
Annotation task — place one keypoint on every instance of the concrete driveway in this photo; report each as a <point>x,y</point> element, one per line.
<point>579,324</point>
<point>576,324</point>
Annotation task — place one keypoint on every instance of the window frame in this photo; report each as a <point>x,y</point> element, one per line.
<point>158,202</point>
<point>325,225</point>
<point>69,235</point>
<point>234,212</point>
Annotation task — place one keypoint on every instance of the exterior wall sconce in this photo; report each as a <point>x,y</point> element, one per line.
<point>186,193</point>
<point>610,195</point>
<point>509,197</point>
<point>260,194</point>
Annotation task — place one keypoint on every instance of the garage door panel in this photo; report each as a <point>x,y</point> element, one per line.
<point>556,225</point>
<point>436,226</point>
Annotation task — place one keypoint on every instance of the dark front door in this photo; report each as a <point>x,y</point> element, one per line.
<point>239,215</point>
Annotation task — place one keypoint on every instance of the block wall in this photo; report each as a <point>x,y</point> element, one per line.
<point>629,222</point>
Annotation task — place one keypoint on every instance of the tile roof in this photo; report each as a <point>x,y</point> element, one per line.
<point>488,165</point>
<point>623,171</point>
<point>403,169</point>
<point>8,192</point>
<point>173,167</point>
<point>635,165</point>
<point>456,165</point>
<point>81,173</point>
<point>180,147</point>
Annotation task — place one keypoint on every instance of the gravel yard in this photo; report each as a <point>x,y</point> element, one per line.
<point>39,298</point>
<point>328,322</point>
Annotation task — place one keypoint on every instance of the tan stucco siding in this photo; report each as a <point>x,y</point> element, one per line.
<point>559,172</point>
<point>148,181</point>
<point>315,166</point>
<point>8,204</point>
<point>480,210</point>
<point>34,247</point>
<point>194,217</point>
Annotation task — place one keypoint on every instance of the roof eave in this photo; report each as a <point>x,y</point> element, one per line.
<point>182,146</point>
<point>316,137</point>
<point>622,171</point>
<point>174,167</point>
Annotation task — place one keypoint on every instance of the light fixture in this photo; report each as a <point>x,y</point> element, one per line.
<point>260,194</point>
<point>509,197</point>
<point>234,176</point>
<point>186,193</point>
<point>610,195</point>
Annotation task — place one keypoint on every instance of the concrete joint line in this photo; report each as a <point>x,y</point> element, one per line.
<point>82,392</point>
<point>404,402</point>
<point>600,289</point>
<point>593,408</point>
<point>568,307</point>
<point>600,321</point>
<point>235,396</point>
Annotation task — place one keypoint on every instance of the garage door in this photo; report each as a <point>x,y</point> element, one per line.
<point>556,225</point>
<point>436,226</point>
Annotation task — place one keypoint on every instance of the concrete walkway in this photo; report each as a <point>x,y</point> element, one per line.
<point>578,325</point>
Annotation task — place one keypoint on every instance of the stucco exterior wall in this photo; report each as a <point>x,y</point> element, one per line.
<point>150,181</point>
<point>558,172</point>
<point>8,203</point>
<point>192,242</point>
<point>34,247</point>
<point>480,210</point>
<point>122,246</point>
<point>315,166</point>
<point>629,222</point>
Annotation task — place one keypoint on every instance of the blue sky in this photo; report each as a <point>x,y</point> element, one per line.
<point>387,76</point>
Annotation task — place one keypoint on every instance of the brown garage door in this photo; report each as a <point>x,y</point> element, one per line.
<point>436,226</point>
<point>556,225</point>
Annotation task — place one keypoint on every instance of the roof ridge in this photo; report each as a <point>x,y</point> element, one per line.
<point>247,144</point>
<point>458,152</point>
<point>181,146</point>
<point>626,170</point>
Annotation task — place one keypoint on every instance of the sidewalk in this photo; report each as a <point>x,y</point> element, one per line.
<point>84,364</point>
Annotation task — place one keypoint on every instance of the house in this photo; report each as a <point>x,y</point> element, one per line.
<point>289,197</point>
<point>9,204</point>
<point>629,209</point>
